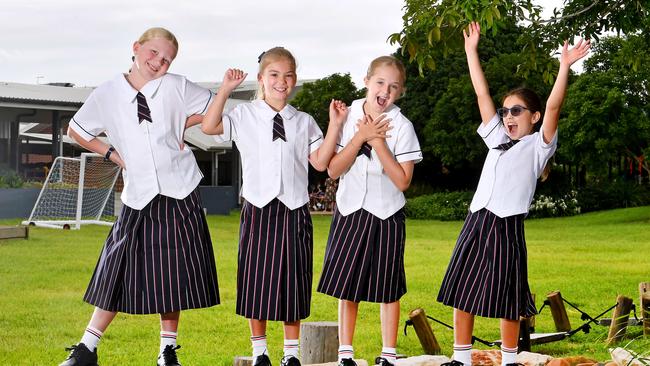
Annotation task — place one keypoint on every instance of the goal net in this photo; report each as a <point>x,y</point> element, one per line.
<point>77,191</point>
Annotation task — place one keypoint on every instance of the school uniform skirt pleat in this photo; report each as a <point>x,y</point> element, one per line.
<point>364,259</point>
<point>275,262</point>
<point>156,260</point>
<point>488,271</point>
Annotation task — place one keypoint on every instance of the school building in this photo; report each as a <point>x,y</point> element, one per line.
<point>33,132</point>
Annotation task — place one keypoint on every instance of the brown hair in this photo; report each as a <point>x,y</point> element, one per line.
<point>387,61</point>
<point>270,56</point>
<point>534,104</point>
<point>158,32</point>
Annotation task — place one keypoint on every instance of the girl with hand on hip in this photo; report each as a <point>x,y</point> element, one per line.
<point>158,257</point>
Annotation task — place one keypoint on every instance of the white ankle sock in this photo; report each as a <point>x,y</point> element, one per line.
<point>91,337</point>
<point>167,338</point>
<point>291,347</point>
<point>389,353</point>
<point>259,346</point>
<point>346,351</point>
<point>508,355</point>
<point>463,353</point>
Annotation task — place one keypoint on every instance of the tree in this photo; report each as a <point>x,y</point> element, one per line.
<point>314,98</point>
<point>442,106</point>
<point>433,27</point>
<point>607,111</point>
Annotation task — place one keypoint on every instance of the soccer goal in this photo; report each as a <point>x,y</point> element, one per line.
<point>77,191</point>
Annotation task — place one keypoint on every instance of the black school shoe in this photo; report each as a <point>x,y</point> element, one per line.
<point>80,355</point>
<point>347,362</point>
<point>290,361</point>
<point>452,363</point>
<point>382,362</point>
<point>262,360</point>
<point>168,356</point>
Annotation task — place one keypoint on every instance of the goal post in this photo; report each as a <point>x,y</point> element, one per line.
<point>77,191</point>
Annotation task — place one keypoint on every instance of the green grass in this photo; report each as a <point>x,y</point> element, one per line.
<point>591,258</point>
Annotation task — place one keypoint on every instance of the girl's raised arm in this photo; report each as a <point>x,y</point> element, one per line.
<point>556,98</point>
<point>485,102</point>
<point>211,124</point>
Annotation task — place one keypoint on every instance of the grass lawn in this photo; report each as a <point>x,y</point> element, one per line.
<point>591,258</point>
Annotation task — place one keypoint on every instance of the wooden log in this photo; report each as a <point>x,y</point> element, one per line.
<point>558,311</point>
<point>10,232</point>
<point>319,342</point>
<point>524,334</point>
<point>619,319</point>
<point>425,333</point>
<point>644,291</point>
<point>531,320</point>
<point>243,361</point>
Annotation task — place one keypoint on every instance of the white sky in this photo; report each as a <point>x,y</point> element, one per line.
<point>87,42</point>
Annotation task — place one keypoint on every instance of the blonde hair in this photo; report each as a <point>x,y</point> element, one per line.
<point>158,32</point>
<point>387,61</point>
<point>268,57</point>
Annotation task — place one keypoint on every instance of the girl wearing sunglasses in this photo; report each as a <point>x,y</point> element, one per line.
<point>487,273</point>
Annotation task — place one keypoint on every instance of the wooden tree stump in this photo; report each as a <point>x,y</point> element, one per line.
<point>9,232</point>
<point>558,311</point>
<point>319,342</point>
<point>644,291</point>
<point>243,361</point>
<point>619,319</point>
<point>424,332</point>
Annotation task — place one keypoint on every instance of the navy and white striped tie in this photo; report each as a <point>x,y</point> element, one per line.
<point>143,109</point>
<point>507,145</point>
<point>278,128</point>
<point>365,150</point>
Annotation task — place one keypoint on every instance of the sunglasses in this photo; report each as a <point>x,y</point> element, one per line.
<point>515,111</point>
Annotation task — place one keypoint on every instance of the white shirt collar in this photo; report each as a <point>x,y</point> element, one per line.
<point>265,110</point>
<point>149,89</point>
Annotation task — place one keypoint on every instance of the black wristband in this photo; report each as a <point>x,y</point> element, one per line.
<point>107,157</point>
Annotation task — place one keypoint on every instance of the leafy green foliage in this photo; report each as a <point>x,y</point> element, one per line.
<point>606,109</point>
<point>314,98</point>
<point>444,206</point>
<point>434,27</point>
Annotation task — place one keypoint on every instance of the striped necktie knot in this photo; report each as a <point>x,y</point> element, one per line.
<point>365,149</point>
<point>144,113</point>
<point>507,145</point>
<point>278,128</point>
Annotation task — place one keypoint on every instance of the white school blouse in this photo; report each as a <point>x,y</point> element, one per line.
<point>272,168</point>
<point>509,178</point>
<point>155,162</point>
<point>365,185</point>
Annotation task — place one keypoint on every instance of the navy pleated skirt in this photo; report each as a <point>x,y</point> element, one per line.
<point>157,260</point>
<point>275,262</point>
<point>488,271</point>
<point>364,259</point>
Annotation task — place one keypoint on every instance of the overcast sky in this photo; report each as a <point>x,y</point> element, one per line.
<point>87,42</point>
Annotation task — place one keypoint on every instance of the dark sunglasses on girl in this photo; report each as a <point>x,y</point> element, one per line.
<point>515,111</point>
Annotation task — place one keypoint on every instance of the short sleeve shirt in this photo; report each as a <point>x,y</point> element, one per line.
<point>366,185</point>
<point>155,162</point>
<point>509,178</point>
<point>272,168</point>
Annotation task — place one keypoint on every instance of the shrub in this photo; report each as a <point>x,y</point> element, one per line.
<point>9,179</point>
<point>548,206</point>
<point>609,195</point>
<point>444,206</point>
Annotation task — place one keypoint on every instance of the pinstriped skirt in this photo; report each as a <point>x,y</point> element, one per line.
<point>488,271</point>
<point>364,259</point>
<point>275,262</point>
<point>156,260</point>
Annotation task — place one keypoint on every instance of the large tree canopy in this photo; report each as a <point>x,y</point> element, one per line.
<point>433,27</point>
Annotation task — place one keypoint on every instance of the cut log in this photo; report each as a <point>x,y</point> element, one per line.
<point>619,319</point>
<point>319,342</point>
<point>558,311</point>
<point>425,333</point>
